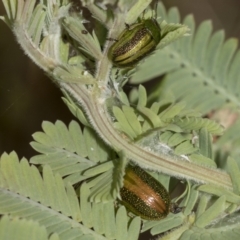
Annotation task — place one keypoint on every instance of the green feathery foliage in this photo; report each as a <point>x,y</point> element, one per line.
<point>71,189</point>
<point>206,68</point>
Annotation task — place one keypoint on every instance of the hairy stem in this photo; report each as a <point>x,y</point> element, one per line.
<point>170,164</point>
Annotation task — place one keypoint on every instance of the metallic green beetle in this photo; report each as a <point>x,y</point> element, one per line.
<point>135,42</point>
<point>144,196</point>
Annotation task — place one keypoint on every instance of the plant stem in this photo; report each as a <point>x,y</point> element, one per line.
<point>169,164</point>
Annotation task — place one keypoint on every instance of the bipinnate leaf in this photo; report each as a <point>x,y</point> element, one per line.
<point>45,199</point>
<point>69,150</point>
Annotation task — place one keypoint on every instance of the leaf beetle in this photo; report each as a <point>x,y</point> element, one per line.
<point>144,196</point>
<point>135,42</point>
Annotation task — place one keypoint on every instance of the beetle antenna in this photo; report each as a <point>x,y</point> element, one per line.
<point>155,8</point>
<point>143,14</point>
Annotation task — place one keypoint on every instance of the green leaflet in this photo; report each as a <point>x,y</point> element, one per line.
<point>75,110</point>
<point>97,149</point>
<point>202,205</point>
<point>202,160</point>
<point>172,128</point>
<point>123,97</point>
<point>121,218</point>
<point>178,138</point>
<point>232,208</point>
<point>164,137</point>
<point>134,11</point>
<point>36,24</point>
<point>132,119</point>
<point>185,147</point>
<point>73,74</point>
<point>167,223</point>
<point>205,145</point>
<point>142,96</point>
<point>134,229</point>
<point>191,200</point>
<point>99,169</point>
<point>172,111</point>
<point>150,115</point>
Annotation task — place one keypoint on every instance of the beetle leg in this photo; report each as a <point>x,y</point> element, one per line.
<point>127,26</point>
<point>174,208</point>
<point>112,39</point>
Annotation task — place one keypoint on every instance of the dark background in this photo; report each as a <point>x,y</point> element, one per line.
<point>27,96</point>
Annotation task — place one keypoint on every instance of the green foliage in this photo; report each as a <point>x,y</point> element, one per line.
<point>175,129</point>
<point>196,61</point>
<point>58,194</point>
<point>46,199</point>
<point>13,228</point>
<point>71,188</point>
<point>69,158</point>
<point>201,70</point>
